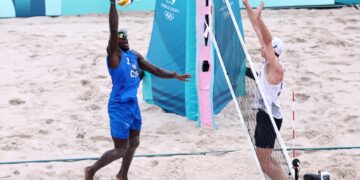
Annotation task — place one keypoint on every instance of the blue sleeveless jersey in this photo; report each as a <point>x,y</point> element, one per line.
<point>125,77</point>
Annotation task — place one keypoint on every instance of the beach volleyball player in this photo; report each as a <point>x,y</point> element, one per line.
<point>125,118</point>
<point>270,77</point>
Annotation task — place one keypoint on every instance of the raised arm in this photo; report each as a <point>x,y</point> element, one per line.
<point>253,20</point>
<point>146,66</point>
<point>275,69</point>
<point>112,48</point>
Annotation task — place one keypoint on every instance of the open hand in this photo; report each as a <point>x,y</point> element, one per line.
<point>259,9</point>
<point>182,77</point>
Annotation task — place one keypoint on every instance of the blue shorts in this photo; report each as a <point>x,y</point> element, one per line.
<point>124,116</point>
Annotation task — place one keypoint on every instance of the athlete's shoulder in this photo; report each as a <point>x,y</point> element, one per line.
<point>134,52</point>
<point>138,55</point>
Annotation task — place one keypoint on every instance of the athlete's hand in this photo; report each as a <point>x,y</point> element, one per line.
<point>246,4</point>
<point>259,10</point>
<point>182,77</point>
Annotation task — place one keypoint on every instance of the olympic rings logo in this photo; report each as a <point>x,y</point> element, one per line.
<point>169,16</point>
<point>171,2</point>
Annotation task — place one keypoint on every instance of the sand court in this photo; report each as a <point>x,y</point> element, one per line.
<point>55,86</point>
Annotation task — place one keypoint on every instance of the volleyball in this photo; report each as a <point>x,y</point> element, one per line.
<point>124,2</point>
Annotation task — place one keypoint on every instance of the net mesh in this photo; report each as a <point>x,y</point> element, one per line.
<point>270,151</point>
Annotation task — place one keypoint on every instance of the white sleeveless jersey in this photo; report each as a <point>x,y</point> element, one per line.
<point>271,92</point>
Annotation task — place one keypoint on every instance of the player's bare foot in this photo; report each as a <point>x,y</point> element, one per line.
<point>120,177</point>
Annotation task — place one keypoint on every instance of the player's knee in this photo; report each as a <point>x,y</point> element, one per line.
<point>120,152</point>
<point>134,143</point>
<point>263,156</point>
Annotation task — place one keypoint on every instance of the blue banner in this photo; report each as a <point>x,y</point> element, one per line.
<point>168,50</point>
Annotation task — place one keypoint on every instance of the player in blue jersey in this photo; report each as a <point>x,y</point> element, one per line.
<point>125,119</point>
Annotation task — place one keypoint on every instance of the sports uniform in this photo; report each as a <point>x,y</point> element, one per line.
<point>123,106</point>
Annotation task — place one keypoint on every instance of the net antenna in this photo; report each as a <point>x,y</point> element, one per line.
<point>280,140</point>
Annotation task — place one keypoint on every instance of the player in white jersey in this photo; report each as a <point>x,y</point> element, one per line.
<point>270,77</point>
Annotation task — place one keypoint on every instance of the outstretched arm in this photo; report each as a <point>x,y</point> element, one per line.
<point>146,66</point>
<point>275,69</point>
<point>112,48</point>
<point>252,17</point>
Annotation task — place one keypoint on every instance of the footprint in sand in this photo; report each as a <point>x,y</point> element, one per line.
<point>351,131</point>
<point>75,117</point>
<point>311,134</point>
<point>350,118</point>
<point>41,131</point>
<point>337,43</point>
<point>305,79</point>
<point>9,147</point>
<point>37,90</point>
<point>325,139</point>
<point>22,136</point>
<point>86,96</point>
<point>328,98</point>
<point>49,121</point>
<point>37,35</point>
<point>308,73</point>
<point>314,46</point>
<point>154,163</point>
<point>352,28</point>
<point>149,108</point>
<point>300,40</point>
<point>318,111</point>
<point>301,97</point>
<point>333,78</point>
<point>100,77</point>
<point>60,36</point>
<point>16,172</point>
<point>340,20</point>
<point>33,56</point>
<point>83,67</point>
<point>316,84</point>
<point>100,138</point>
<point>62,145</point>
<point>94,107</point>
<point>80,135</point>
<point>353,55</point>
<point>336,63</point>
<point>85,82</point>
<point>16,101</point>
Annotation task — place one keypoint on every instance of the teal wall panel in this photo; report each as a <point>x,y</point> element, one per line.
<point>348,1</point>
<point>37,8</point>
<point>22,8</point>
<point>71,7</point>
<point>141,5</point>
<point>53,7</point>
<point>7,9</point>
<point>25,8</point>
<point>283,3</point>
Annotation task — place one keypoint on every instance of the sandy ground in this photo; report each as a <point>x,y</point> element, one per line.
<point>55,85</point>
